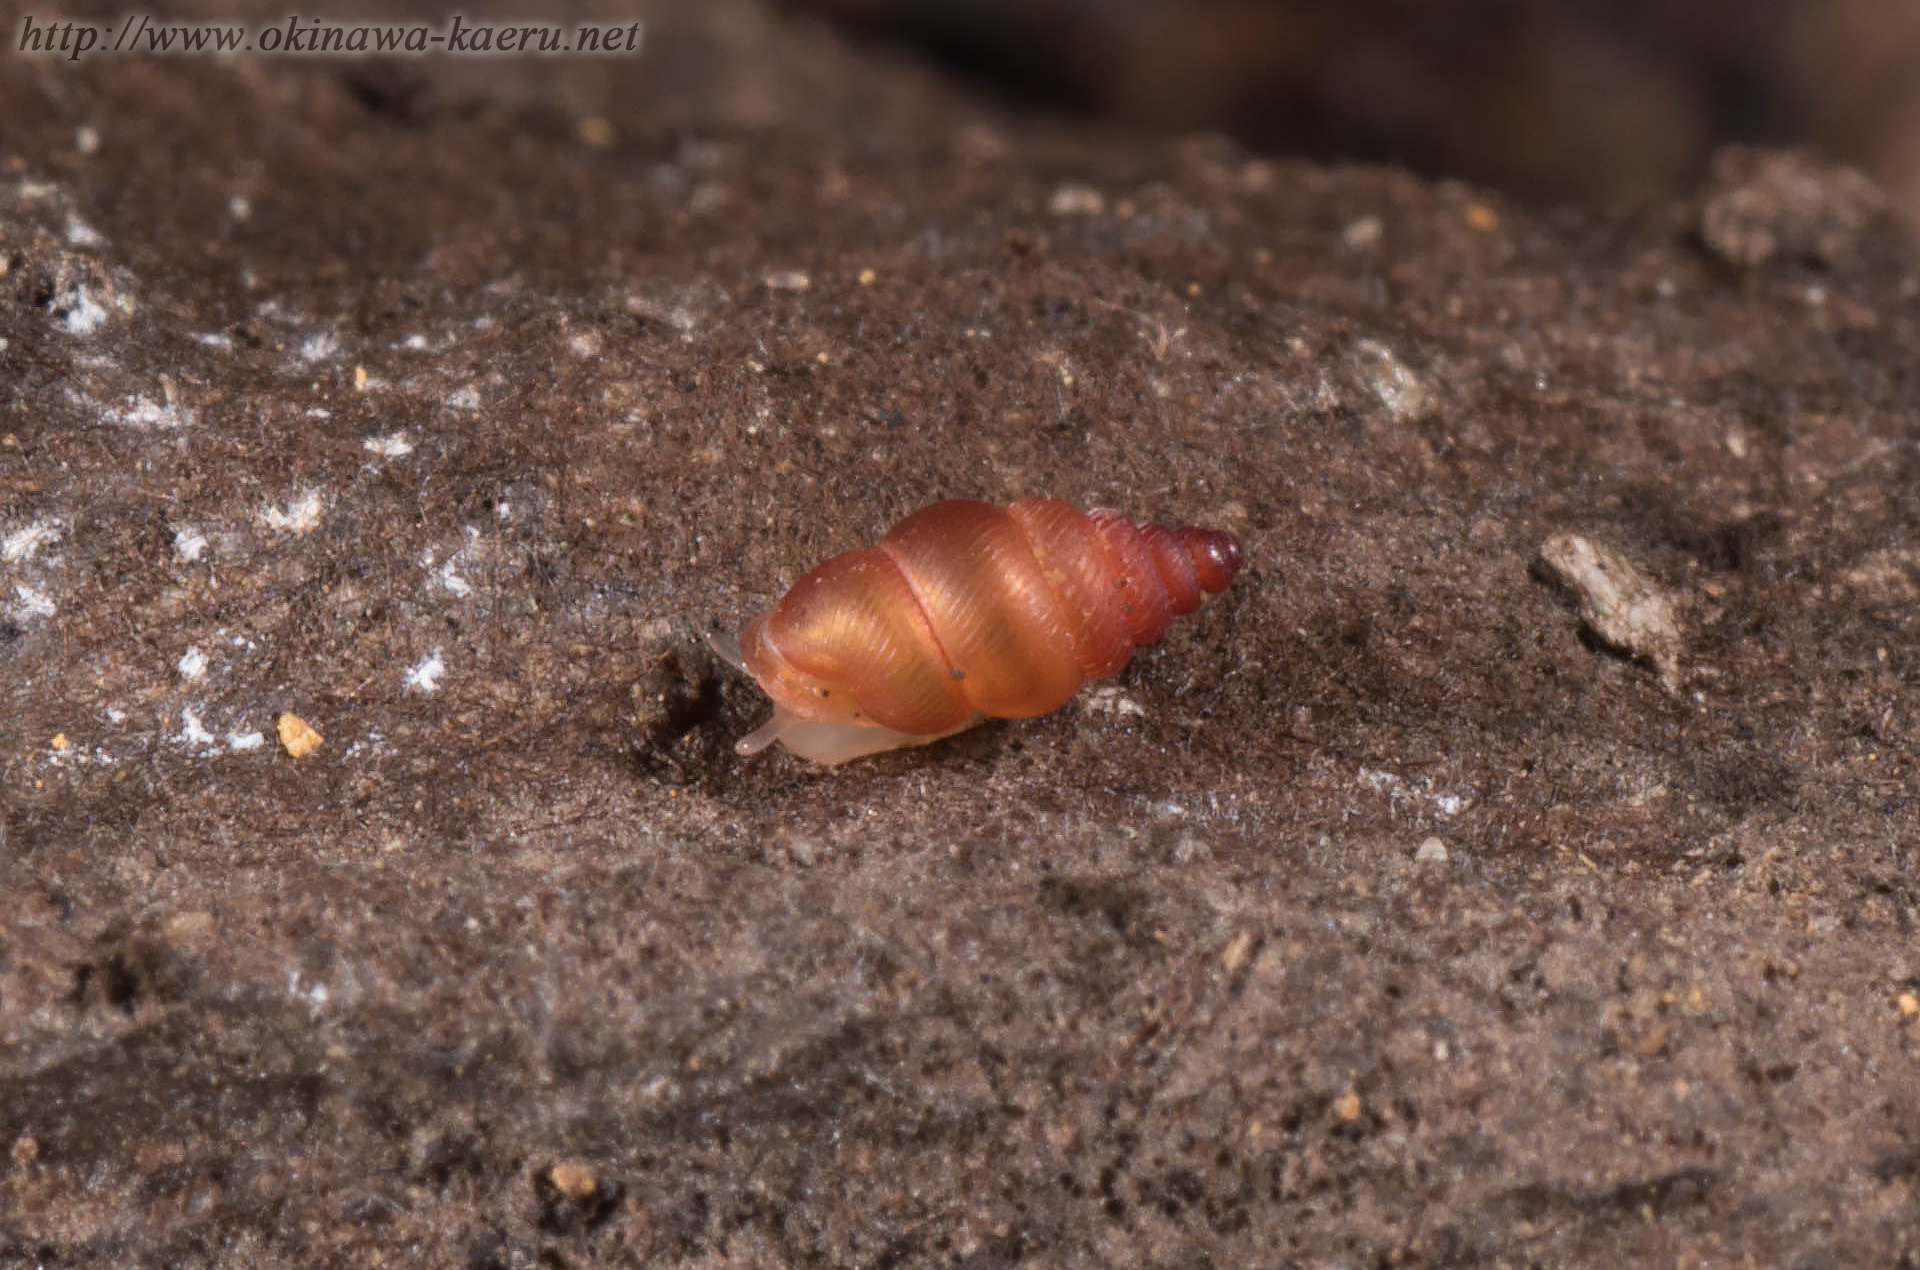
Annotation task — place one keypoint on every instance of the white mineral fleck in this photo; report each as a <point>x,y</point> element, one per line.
<point>298,516</point>
<point>425,677</point>
<point>22,543</point>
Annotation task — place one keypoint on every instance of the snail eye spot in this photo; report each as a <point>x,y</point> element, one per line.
<point>959,673</point>
<point>826,692</point>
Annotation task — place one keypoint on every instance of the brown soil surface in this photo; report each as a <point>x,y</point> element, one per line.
<point>1386,914</point>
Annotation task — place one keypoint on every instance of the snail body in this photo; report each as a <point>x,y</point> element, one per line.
<point>967,610</point>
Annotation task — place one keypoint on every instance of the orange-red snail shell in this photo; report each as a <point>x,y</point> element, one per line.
<point>966,610</point>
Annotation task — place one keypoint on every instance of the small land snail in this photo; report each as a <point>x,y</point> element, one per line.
<point>967,610</point>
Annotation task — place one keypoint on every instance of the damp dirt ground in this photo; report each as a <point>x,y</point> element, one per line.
<point>1407,906</point>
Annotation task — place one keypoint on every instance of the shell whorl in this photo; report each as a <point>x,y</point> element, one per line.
<point>966,609</point>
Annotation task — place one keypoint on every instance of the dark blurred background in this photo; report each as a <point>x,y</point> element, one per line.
<point>1600,102</point>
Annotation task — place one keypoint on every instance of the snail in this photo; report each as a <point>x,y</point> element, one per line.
<point>967,610</point>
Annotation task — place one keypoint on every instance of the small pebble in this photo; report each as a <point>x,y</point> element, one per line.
<point>1621,605</point>
<point>1432,851</point>
<point>1401,389</point>
<point>1363,233</point>
<point>1076,200</point>
<point>297,737</point>
<point>1760,205</point>
<point>575,1181</point>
